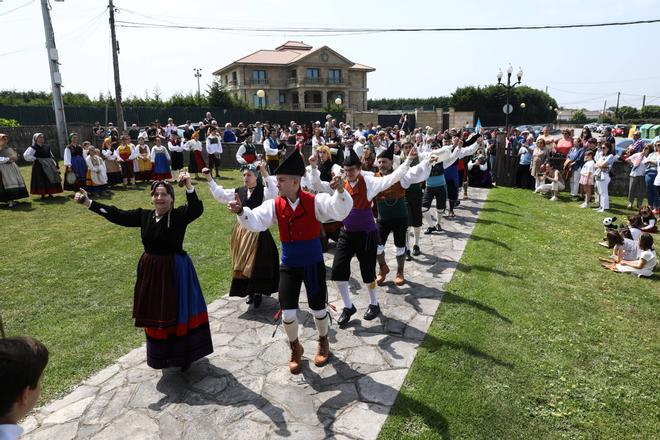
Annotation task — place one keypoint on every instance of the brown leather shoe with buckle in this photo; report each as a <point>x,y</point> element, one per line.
<point>295,364</point>
<point>382,273</point>
<point>323,352</point>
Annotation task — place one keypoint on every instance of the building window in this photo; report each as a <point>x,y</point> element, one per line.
<point>234,77</point>
<point>259,102</point>
<point>258,77</point>
<point>334,76</point>
<point>282,98</point>
<point>293,73</point>
<point>313,75</point>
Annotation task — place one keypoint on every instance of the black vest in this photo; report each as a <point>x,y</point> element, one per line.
<point>255,200</point>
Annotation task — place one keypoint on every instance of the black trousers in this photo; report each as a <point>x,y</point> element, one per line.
<point>361,244</point>
<point>523,178</point>
<point>397,227</point>
<point>452,192</point>
<point>437,193</point>
<point>414,206</point>
<point>291,279</point>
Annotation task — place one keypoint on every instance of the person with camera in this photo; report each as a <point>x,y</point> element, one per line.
<point>167,298</point>
<point>298,215</point>
<point>255,267</point>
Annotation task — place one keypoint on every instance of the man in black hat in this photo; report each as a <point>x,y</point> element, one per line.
<point>298,215</point>
<point>359,235</point>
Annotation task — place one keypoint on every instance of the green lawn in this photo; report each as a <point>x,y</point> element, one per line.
<point>533,339</point>
<point>68,276</point>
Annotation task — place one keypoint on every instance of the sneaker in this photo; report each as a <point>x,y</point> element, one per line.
<point>372,312</point>
<point>629,206</point>
<point>553,199</point>
<point>600,210</point>
<point>584,205</point>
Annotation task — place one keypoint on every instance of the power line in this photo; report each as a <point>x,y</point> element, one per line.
<point>361,31</point>
<point>17,8</point>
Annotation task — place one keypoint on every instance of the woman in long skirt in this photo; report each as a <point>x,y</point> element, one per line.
<point>75,167</point>
<point>196,160</point>
<point>255,261</point>
<point>112,167</point>
<point>168,300</point>
<point>143,165</point>
<point>45,180</point>
<point>97,177</point>
<point>125,155</point>
<point>175,145</point>
<point>160,158</point>
<point>12,184</point>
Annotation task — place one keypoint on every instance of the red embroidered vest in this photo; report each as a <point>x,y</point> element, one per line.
<point>358,193</point>
<point>298,225</point>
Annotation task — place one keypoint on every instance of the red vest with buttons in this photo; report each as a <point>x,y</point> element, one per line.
<point>300,224</point>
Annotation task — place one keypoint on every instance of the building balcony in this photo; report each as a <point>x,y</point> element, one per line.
<point>313,105</point>
<point>310,80</point>
<point>259,82</point>
<point>338,82</point>
<point>295,106</point>
<point>292,81</point>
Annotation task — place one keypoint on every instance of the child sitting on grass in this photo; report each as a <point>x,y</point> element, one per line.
<point>622,248</point>
<point>22,362</point>
<point>635,226</point>
<point>649,222</point>
<point>644,264</point>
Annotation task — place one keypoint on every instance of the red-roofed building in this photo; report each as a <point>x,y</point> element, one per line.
<point>295,76</point>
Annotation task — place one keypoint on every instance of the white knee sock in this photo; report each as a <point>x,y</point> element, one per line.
<point>342,286</point>
<point>290,324</point>
<point>417,231</point>
<point>372,294</point>
<point>428,216</point>
<point>321,320</point>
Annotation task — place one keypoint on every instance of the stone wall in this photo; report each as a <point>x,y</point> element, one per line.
<point>20,138</point>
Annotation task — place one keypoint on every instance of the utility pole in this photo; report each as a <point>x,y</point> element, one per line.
<point>198,75</point>
<point>643,102</point>
<point>115,64</point>
<point>55,78</point>
<point>546,90</point>
<point>616,112</point>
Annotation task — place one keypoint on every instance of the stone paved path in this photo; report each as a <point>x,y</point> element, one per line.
<point>244,390</point>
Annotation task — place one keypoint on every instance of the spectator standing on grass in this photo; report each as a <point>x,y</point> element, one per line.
<point>604,162</point>
<point>22,364</point>
<point>636,185</point>
<point>228,135</point>
<point>651,174</point>
<point>214,148</point>
<point>134,132</point>
<point>636,146</point>
<point>565,144</point>
<point>258,136</point>
<point>575,160</point>
<point>12,184</point>
<point>525,152</point>
<point>539,157</point>
<point>587,177</point>
<point>549,140</point>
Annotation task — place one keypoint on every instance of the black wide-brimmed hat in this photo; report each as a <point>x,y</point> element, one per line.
<point>388,153</point>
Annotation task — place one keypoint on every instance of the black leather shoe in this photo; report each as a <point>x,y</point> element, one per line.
<point>249,299</point>
<point>416,250</point>
<point>257,300</point>
<point>372,312</point>
<point>408,256</point>
<point>346,315</point>
<point>429,230</point>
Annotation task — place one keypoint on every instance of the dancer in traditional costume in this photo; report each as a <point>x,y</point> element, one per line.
<point>160,158</point>
<point>168,300</point>
<point>273,153</point>
<point>392,210</point>
<point>247,152</point>
<point>414,194</point>
<point>75,167</point>
<point>97,177</point>
<point>214,148</point>
<point>142,162</point>
<point>12,184</point>
<point>452,176</point>
<point>298,215</point>
<point>195,160</point>
<point>359,235</point>
<point>113,170</point>
<point>125,155</point>
<point>176,148</point>
<point>327,169</point>
<point>255,259</point>
<point>45,180</point>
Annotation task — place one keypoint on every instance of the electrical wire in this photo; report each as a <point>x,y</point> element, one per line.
<point>17,8</point>
<point>361,31</point>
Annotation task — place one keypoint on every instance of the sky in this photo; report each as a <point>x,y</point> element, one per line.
<point>580,67</point>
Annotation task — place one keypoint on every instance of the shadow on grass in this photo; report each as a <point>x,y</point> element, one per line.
<point>502,202</point>
<point>459,234</point>
<point>487,209</point>
<point>206,384</point>
<point>379,397</point>
<point>20,207</point>
<point>442,265</point>
<point>451,298</point>
<point>56,200</point>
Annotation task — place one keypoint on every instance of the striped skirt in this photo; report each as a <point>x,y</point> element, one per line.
<point>169,304</point>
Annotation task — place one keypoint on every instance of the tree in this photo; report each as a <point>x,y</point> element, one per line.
<point>578,117</point>
<point>218,96</point>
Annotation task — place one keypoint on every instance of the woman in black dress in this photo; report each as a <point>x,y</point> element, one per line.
<point>255,260</point>
<point>168,300</point>
<point>45,180</point>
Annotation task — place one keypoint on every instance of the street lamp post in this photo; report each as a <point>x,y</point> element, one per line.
<point>261,94</point>
<point>198,75</point>
<point>508,87</point>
